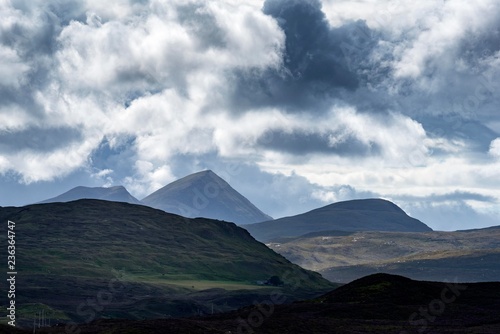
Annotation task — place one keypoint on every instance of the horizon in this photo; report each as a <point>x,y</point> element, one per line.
<point>241,225</point>
<point>296,104</point>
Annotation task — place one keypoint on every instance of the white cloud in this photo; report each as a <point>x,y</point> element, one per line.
<point>149,178</point>
<point>13,117</point>
<point>495,148</point>
<point>425,40</point>
<point>12,69</point>
<point>39,166</point>
<point>144,56</point>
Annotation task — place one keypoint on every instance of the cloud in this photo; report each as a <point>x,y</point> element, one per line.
<point>495,148</point>
<point>338,99</point>
<point>38,139</point>
<point>97,70</point>
<point>450,214</point>
<point>12,69</point>
<point>319,62</point>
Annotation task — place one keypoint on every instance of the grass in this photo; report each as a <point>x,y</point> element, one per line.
<point>197,285</point>
<point>29,309</point>
<point>69,252</point>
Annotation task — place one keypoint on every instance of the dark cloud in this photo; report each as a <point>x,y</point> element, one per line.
<point>454,196</point>
<point>35,41</point>
<point>318,61</point>
<point>454,127</point>
<point>301,143</point>
<point>38,139</point>
<point>203,25</point>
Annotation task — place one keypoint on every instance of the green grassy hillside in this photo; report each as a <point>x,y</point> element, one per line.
<point>150,263</point>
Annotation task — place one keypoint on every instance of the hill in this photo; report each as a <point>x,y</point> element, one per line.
<point>355,215</point>
<point>374,304</point>
<point>205,194</point>
<point>472,256</point>
<point>117,194</point>
<point>143,261</point>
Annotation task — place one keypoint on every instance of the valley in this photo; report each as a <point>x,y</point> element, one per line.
<point>469,256</point>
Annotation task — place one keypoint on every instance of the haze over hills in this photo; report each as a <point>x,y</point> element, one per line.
<point>205,194</point>
<point>69,252</point>
<point>470,256</point>
<point>354,215</point>
<point>117,194</point>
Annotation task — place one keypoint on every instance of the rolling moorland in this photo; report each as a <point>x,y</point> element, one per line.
<point>342,256</point>
<point>89,259</point>
<point>379,303</point>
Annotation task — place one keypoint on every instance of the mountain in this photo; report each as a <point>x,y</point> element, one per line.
<point>141,261</point>
<point>471,256</point>
<point>355,215</point>
<point>117,194</point>
<point>205,194</point>
<point>377,304</point>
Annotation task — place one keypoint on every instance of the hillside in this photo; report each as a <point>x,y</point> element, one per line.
<point>205,194</point>
<point>117,194</point>
<point>69,252</point>
<point>472,256</point>
<point>374,304</point>
<point>355,215</point>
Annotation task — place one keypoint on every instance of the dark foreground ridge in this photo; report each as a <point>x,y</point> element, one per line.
<point>379,303</point>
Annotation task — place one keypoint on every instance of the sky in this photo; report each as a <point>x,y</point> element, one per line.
<point>296,103</point>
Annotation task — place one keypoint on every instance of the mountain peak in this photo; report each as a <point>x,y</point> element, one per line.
<point>371,204</point>
<point>205,194</point>
<point>373,214</point>
<point>115,193</point>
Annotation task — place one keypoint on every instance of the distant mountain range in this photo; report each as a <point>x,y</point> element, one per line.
<point>116,194</point>
<point>205,194</point>
<point>355,215</point>
<point>166,261</point>
<point>202,194</point>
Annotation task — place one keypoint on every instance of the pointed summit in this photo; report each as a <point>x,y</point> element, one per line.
<point>116,194</point>
<point>205,194</point>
